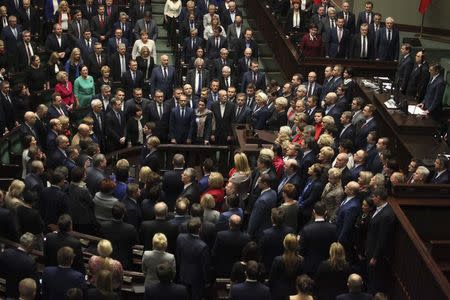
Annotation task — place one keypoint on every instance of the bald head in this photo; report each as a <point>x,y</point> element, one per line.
<point>354,283</point>
<point>341,160</point>
<point>30,117</point>
<point>83,129</point>
<point>351,188</point>
<point>27,289</point>
<point>160,210</point>
<point>235,222</point>
<point>397,178</point>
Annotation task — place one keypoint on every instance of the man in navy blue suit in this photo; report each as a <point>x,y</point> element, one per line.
<point>331,109</point>
<point>432,101</point>
<point>359,159</point>
<point>355,286</point>
<point>163,77</point>
<point>388,42</point>
<point>180,124</point>
<point>347,131</point>
<point>251,289</point>
<point>113,42</point>
<point>260,216</point>
<point>346,216</point>
<point>312,87</point>
<point>57,108</point>
<point>441,173</point>
<point>254,76</point>
<point>125,25</point>
<point>223,111</point>
<point>12,34</point>
<point>165,288</point>
<point>243,112</point>
<point>366,16</point>
<point>57,280</point>
<point>366,127</point>
<point>337,41</point>
<point>193,259</point>
<point>58,155</point>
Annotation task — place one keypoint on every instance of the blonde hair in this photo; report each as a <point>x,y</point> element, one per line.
<point>365,176</point>
<point>159,242</point>
<point>72,54</point>
<point>215,180</point>
<point>65,121</point>
<point>145,48</point>
<point>325,140</point>
<point>327,152</point>
<point>337,256</point>
<point>241,163</point>
<point>104,250</point>
<point>285,130</point>
<point>335,172</point>
<point>122,163</point>
<point>328,120</point>
<point>207,201</point>
<point>16,188</point>
<point>268,152</point>
<point>290,256</point>
<point>60,74</point>
<point>105,69</point>
<point>144,174</point>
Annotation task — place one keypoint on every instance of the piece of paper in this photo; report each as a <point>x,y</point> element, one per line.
<point>415,110</point>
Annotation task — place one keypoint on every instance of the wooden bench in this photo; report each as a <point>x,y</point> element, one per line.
<point>440,251</point>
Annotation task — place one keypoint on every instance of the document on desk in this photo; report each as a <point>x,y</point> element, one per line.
<point>414,110</point>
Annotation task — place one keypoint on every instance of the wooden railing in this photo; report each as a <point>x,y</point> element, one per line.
<point>287,56</point>
<point>416,273</point>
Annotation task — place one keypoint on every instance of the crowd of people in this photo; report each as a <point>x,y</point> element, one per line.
<point>307,219</point>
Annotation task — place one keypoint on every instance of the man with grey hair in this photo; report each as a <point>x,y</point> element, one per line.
<point>331,109</point>
<point>198,77</point>
<point>387,44</point>
<point>290,175</point>
<point>192,42</point>
<point>105,97</point>
<point>119,62</point>
<point>17,264</point>
<point>190,188</point>
<point>420,176</point>
<point>27,127</point>
<point>58,155</point>
<point>223,112</point>
<point>355,286</point>
<point>96,173</point>
<point>220,62</point>
<point>226,79</point>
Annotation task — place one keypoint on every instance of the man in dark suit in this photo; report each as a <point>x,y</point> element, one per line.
<point>96,173</point>
<point>78,26</point>
<point>88,9</point>
<point>97,60</point>
<point>254,76</point>
<point>53,200</point>
<point>251,289</point>
<point>419,77</point>
<point>404,68</point>
<point>148,25</point>
<point>119,62</point>
<point>347,214</point>
<point>243,63</point>
<point>191,44</point>
<point>362,44</point>
<point>180,124</point>
<point>139,10</point>
<point>441,173</point>
<point>223,112</point>
<point>58,279</point>
<point>366,16</point>
<point>199,77</point>
<point>243,112</point>
<point>228,247</point>
<point>228,16</point>
<point>355,286</point>
<point>137,100</point>
<point>25,50</point>
<point>115,41</point>
<point>98,116</point>
<point>125,25</point>
<point>379,242</point>
<point>347,131</point>
<point>327,82</point>
<point>133,209</point>
<point>260,216</point>
<point>11,34</point>
<point>271,242</point>
<point>307,159</point>
<point>189,23</point>
<point>235,33</point>
<point>348,16</point>
<point>316,238</point>
<point>159,224</point>
<point>331,109</point>
<point>247,42</point>
<point>57,42</point>
<point>115,126</point>
<point>123,236</point>
<point>368,126</point>
<point>226,78</point>
<point>111,11</point>
<point>290,177</point>
<point>387,42</point>
<point>58,155</point>
<point>165,288</point>
<point>86,45</point>
<point>29,17</point>
<point>100,24</point>
<point>163,77</point>
<point>17,264</point>
<point>56,240</point>
<point>432,100</point>
<point>172,185</point>
<point>6,101</point>
<point>193,258</point>
<point>191,189</point>
<point>312,87</point>
<point>310,194</point>
<point>215,43</point>
<point>159,113</point>
<point>57,108</point>
<point>220,62</point>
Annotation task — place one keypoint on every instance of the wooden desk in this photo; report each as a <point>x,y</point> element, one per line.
<point>411,136</point>
<point>253,144</point>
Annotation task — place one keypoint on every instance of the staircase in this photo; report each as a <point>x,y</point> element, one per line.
<point>161,42</point>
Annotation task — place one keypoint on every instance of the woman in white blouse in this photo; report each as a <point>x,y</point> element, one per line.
<point>172,10</point>
<point>62,16</point>
<point>209,30</point>
<point>144,41</point>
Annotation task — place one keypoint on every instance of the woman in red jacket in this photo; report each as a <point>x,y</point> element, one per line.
<point>311,43</point>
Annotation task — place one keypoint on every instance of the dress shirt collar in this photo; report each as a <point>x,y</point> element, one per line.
<point>265,190</point>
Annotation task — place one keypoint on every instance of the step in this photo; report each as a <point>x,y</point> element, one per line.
<point>275,76</point>
<point>265,51</point>
<point>157,9</point>
<point>270,64</point>
<point>158,19</point>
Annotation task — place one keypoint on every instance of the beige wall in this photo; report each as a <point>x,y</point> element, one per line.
<point>406,11</point>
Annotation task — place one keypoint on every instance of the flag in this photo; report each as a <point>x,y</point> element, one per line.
<point>424,6</point>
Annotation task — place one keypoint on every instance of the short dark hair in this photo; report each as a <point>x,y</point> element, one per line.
<point>277,216</point>
<point>65,223</point>
<point>193,225</point>
<point>252,270</point>
<point>65,256</point>
<point>380,192</point>
<point>56,178</point>
<point>165,272</point>
<point>320,208</point>
<point>208,164</point>
<point>290,190</point>
<point>197,210</point>
<point>118,211</point>
<point>77,174</point>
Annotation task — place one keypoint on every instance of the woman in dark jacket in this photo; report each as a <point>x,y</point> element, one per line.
<point>331,277</point>
<point>203,123</point>
<point>279,115</point>
<point>285,269</point>
<point>135,128</point>
<point>36,75</point>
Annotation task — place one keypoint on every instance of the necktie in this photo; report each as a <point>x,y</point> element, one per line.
<point>133,76</point>
<point>28,53</point>
<point>160,111</point>
<point>101,20</point>
<point>364,45</point>
<point>146,26</point>
<point>249,101</point>
<point>345,17</point>
<point>254,78</point>
<point>79,29</point>
<point>108,10</point>
<point>99,59</point>
<point>99,120</point>
<point>217,43</point>
<point>89,9</point>
<point>215,97</point>
<point>199,83</point>
<point>310,89</point>
<point>14,30</point>
<point>123,27</point>
<point>238,112</point>
<point>339,34</point>
<point>5,22</point>
<point>118,42</point>
<point>182,113</point>
<point>142,9</point>
<point>89,44</point>
<point>192,25</point>
<point>165,73</point>
<point>247,62</point>
<point>119,118</point>
<point>228,82</point>
<point>389,35</point>
<point>368,18</point>
<point>332,23</point>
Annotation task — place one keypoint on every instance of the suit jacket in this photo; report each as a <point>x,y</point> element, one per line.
<point>441,179</point>
<point>172,186</point>
<point>432,99</point>
<point>347,133</point>
<point>418,80</point>
<point>192,192</point>
<point>127,33</point>
<point>123,237</point>
<point>99,131</point>
<point>233,37</point>
<point>94,66</point>
<point>115,129</point>
<point>355,296</point>
<point>225,17</point>
<point>379,234</point>
<point>356,47</point>
<point>346,218</point>
<point>52,45</point>
<point>56,158</point>
<point>56,281</point>
<point>85,50</point>
<point>111,45</point>
<point>310,195</point>
<point>191,77</point>
<point>88,12</point>
<point>335,48</point>
<point>289,26</point>
<point>227,250</point>
<point>306,161</point>
<point>248,78</point>
<point>162,123</point>
<point>223,124</point>
<point>16,265</point>
<point>361,134</point>
<point>193,259</point>
<point>190,46</point>
<point>149,228</point>
<point>93,178</point>
<point>387,50</point>
<point>53,203</point>
<point>250,291</point>
<point>22,55</point>
<point>98,28</point>
<point>185,28</point>
<point>212,51</point>
<point>180,128</point>
<point>7,108</point>
<point>151,29</point>
<point>114,62</point>
<point>157,81</point>
<point>153,160</point>
<point>73,31</point>
<point>218,64</point>
<point>404,69</point>
<point>53,113</point>
<point>9,39</point>
<point>136,13</point>
<point>162,291</point>
<point>271,243</point>
<point>244,116</point>
<point>130,107</point>
<point>260,216</point>
<point>241,45</point>
<point>350,23</point>
<point>362,18</point>
<point>134,213</point>
<point>327,87</point>
<point>56,240</point>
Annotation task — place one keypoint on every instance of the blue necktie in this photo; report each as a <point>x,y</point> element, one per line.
<point>305,190</point>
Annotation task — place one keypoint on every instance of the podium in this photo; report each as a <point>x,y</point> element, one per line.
<point>252,141</point>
